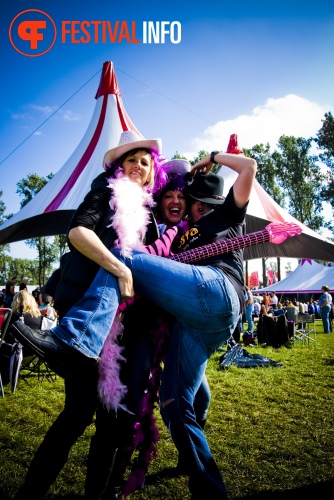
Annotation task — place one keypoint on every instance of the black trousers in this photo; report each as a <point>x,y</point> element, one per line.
<point>52,454</point>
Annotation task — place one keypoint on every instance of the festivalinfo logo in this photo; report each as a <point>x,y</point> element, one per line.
<point>33,32</point>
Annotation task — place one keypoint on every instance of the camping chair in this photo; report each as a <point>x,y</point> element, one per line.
<point>32,366</point>
<point>306,333</point>
<point>304,330</point>
<point>5,317</point>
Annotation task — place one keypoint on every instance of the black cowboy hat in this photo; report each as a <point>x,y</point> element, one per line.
<point>207,188</point>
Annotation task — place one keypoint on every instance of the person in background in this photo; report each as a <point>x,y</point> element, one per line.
<point>249,309</point>
<point>279,311</point>
<point>325,304</point>
<point>273,300</point>
<point>24,306</point>
<point>256,313</point>
<point>265,302</point>
<point>47,308</point>
<point>331,317</point>
<point>310,307</point>
<point>2,297</point>
<point>10,292</point>
<point>256,308</point>
<point>23,284</point>
<point>36,295</point>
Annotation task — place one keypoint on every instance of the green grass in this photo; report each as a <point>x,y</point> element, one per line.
<point>270,430</point>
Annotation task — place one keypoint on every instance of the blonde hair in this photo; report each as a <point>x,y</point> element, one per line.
<point>326,288</point>
<point>24,302</point>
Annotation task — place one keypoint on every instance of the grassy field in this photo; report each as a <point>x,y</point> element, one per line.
<point>271,431</point>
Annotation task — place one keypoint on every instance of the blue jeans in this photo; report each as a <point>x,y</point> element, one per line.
<point>202,401</point>
<point>249,318</point>
<point>324,311</point>
<point>206,307</point>
<point>202,299</point>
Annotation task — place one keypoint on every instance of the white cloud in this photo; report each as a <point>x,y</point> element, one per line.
<point>70,116</point>
<point>21,116</point>
<point>289,115</point>
<point>46,110</point>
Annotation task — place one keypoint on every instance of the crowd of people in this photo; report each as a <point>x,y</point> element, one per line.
<point>269,303</point>
<point>7,294</point>
<point>126,302</point>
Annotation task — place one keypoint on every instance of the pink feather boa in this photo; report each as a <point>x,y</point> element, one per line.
<point>112,392</point>
<point>130,219</point>
<point>130,205</point>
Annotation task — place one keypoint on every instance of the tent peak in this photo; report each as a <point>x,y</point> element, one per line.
<point>108,83</point>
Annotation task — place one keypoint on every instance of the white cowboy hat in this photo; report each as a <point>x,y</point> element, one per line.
<point>130,140</point>
<point>176,166</point>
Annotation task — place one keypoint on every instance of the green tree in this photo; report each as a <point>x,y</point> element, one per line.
<point>22,267</point>
<point>300,178</point>
<point>5,266</point>
<point>2,209</point>
<point>267,177</point>
<point>325,140</point>
<point>47,249</point>
<point>48,253</point>
<point>4,258</point>
<point>61,244</point>
<point>30,186</point>
<point>266,171</point>
<point>325,143</point>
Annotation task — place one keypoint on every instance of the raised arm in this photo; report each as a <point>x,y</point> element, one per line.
<point>244,166</point>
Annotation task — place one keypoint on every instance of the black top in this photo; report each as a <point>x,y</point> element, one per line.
<point>77,271</point>
<point>223,222</point>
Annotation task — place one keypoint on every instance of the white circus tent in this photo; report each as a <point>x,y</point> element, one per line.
<point>262,210</point>
<point>50,211</point>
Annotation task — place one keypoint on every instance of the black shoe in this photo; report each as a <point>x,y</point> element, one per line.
<point>64,360</point>
<point>116,494</point>
<point>112,493</point>
<point>181,467</point>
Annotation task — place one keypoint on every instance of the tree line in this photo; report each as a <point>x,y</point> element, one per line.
<point>297,180</point>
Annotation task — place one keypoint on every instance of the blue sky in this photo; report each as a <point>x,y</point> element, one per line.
<point>258,69</point>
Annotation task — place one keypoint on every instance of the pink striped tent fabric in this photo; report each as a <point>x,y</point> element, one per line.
<point>50,211</point>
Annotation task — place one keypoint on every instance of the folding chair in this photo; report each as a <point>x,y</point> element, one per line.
<point>32,366</point>
<point>5,317</point>
<point>308,332</point>
<point>304,330</point>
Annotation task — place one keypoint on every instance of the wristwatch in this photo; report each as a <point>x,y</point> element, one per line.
<point>212,156</point>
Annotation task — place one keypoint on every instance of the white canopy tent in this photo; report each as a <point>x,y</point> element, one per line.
<point>308,277</point>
